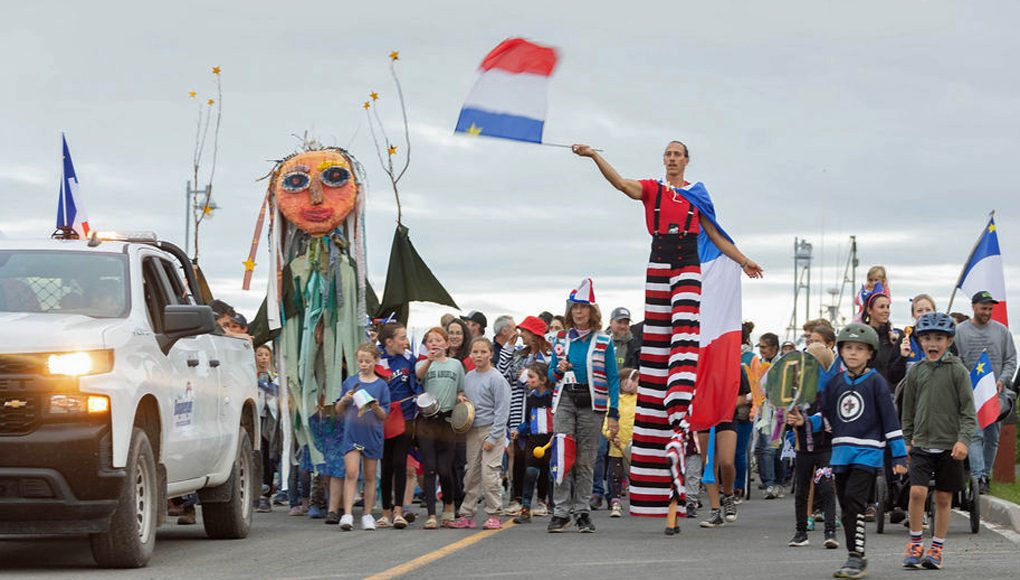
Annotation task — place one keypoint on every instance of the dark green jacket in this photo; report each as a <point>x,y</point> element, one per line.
<point>938,404</point>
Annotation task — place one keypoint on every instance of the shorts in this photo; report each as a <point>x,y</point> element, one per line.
<point>948,472</point>
<point>725,426</point>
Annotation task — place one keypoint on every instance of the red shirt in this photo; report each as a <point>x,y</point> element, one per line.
<point>673,208</point>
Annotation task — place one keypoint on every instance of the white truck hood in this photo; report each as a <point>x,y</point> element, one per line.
<point>38,332</point>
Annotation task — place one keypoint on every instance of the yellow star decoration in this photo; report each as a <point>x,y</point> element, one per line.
<point>395,55</point>
<point>991,228</point>
<point>249,265</point>
<point>474,130</point>
<point>374,95</point>
<point>980,368</point>
<point>192,94</point>
<point>210,101</point>
<point>392,149</point>
<point>367,105</point>
<point>215,70</point>
<point>207,210</point>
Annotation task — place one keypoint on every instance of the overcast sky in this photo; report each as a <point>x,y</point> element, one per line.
<point>893,121</point>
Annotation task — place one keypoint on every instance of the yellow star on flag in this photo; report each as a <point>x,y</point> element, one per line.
<point>192,94</point>
<point>395,55</point>
<point>991,228</point>
<point>249,265</point>
<point>210,101</point>
<point>474,130</point>
<point>367,105</point>
<point>980,368</point>
<point>215,70</point>
<point>392,149</point>
<point>374,95</point>
<point>207,210</point>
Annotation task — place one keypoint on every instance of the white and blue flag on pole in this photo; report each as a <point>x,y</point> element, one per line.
<point>70,209</point>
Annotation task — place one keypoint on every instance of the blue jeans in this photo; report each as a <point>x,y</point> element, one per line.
<point>766,461</point>
<point>983,448</point>
<point>598,487</point>
<point>744,429</point>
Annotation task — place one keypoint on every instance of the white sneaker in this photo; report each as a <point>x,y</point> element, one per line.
<point>367,522</point>
<point>540,510</point>
<point>513,509</point>
<point>346,522</point>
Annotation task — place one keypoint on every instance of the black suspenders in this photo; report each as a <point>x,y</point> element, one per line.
<point>658,209</point>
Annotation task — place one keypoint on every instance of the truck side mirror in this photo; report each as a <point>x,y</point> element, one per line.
<point>182,321</point>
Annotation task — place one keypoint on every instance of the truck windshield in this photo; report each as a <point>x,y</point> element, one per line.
<point>91,284</point>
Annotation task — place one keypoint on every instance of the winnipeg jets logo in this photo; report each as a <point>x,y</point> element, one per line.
<point>850,406</point>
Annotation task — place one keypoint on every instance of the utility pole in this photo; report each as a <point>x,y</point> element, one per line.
<point>801,283</point>
<point>198,205</point>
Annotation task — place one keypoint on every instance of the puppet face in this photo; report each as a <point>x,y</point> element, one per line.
<point>316,190</point>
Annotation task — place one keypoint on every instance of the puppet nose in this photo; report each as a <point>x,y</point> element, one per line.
<point>316,194</point>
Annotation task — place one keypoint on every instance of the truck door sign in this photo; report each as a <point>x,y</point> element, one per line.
<point>184,407</point>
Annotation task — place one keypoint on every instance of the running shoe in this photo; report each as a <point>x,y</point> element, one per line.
<point>558,524</point>
<point>830,540</point>
<point>799,540</point>
<point>446,519</point>
<point>462,523</point>
<point>715,520</point>
<point>316,513</point>
<point>856,566</point>
<point>430,523</point>
<point>584,524</point>
<point>264,506</point>
<point>616,510</point>
<point>540,510</point>
<point>187,517</point>
<point>524,517</point>
<point>771,492</point>
<point>368,523</point>
<point>513,508</point>
<point>347,522</point>
<point>296,511</point>
<point>692,510</point>
<point>493,523</point>
<point>913,556</point>
<point>933,558</point>
<point>596,502</point>
<point>870,513</point>
<point>729,509</point>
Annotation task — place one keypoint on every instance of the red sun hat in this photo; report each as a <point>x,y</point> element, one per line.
<point>534,325</point>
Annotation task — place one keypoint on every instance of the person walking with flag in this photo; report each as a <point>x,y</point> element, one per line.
<point>980,335</point>
<point>587,390</point>
<point>690,253</point>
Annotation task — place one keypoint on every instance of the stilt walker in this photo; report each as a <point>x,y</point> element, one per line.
<point>685,240</point>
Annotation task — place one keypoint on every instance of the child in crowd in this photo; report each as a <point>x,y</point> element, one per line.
<point>811,467</point>
<point>859,408</point>
<point>490,393</point>
<point>363,406</point>
<point>875,282</point>
<point>403,385</point>
<point>443,378</point>
<point>619,446</point>
<point>910,348</point>
<point>536,429</point>
<point>938,423</point>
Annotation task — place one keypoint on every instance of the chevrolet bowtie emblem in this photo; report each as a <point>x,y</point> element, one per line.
<point>15,404</point>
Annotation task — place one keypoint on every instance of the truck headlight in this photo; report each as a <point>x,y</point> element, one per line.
<point>76,364</point>
<point>78,404</point>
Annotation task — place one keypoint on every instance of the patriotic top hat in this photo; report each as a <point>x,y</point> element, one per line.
<point>584,294</point>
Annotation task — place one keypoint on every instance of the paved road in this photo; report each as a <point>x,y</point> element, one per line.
<point>289,547</point>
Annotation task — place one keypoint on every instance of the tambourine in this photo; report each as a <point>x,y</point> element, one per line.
<point>462,417</point>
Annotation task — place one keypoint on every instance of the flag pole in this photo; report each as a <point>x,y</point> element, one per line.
<point>563,146</point>
<point>970,256</point>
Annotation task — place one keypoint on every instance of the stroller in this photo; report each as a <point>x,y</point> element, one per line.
<point>895,493</point>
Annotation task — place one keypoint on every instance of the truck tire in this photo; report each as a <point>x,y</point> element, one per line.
<point>132,534</point>
<point>231,519</point>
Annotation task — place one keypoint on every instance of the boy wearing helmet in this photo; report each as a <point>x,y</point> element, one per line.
<point>859,408</point>
<point>938,423</point>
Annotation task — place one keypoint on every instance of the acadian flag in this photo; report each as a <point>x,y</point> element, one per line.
<point>509,99</point>
<point>541,421</point>
<point>986,393</point>
<point>564,451</point>
<point>70,209</point>
<point>983,271</point>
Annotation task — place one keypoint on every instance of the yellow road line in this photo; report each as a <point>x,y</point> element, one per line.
<point>421,561</point>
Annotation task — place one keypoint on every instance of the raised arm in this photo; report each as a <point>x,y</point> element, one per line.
<point>630,187</point>
<point>749,266</point>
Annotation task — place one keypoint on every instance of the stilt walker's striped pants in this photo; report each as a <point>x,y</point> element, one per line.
<point>669,363</point>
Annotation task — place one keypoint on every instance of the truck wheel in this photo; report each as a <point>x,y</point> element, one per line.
<point>231,519</point>
<point>132,534</point>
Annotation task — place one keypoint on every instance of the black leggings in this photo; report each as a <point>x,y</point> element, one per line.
<point>806,464</point>
<point>268,467</point>
<point>394,470</point>
<point>614,467</point>
<point>520,455</point>
<point>854,488</point>
<point>437,445</point>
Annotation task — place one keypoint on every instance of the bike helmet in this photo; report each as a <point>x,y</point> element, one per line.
<point>935,322</point>
<point>857,332</point>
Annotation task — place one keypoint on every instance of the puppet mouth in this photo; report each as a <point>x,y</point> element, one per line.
<point>317,214</point>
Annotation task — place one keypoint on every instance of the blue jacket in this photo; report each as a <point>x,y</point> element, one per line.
<point>403,383</point>
<point>864,421</point>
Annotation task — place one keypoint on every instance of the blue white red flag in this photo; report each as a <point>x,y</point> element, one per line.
<point>715,390</point>
<point>541,421</point>
<point>564,451</point>
<point>509,100</point>
<point>70,209</point>
<point>986,392</point>
<point>983,271</point>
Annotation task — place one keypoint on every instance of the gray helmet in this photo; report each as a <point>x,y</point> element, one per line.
<point>857,332</point>
<point>935,322</point>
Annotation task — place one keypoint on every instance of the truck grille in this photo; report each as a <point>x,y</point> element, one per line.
<point>22,364</point>
<point>18,414</point>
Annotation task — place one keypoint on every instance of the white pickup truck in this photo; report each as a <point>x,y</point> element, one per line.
<point>118,391</point>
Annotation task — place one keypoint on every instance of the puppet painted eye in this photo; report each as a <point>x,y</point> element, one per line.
<point>295,181</point>
<point>334,176</point>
